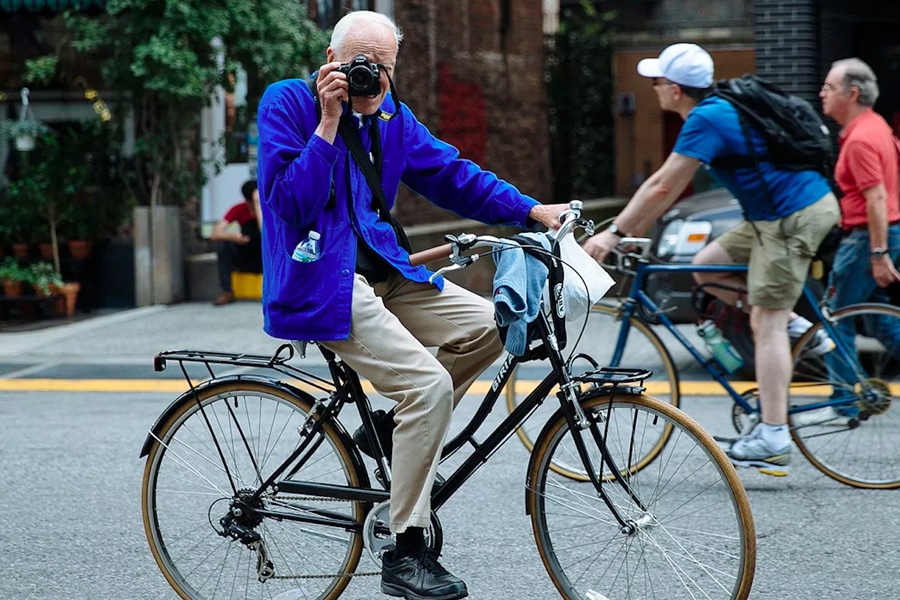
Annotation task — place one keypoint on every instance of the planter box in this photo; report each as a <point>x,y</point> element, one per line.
<point>158,255</point>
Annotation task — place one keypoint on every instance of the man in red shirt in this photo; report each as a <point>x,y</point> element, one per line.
<point>866,172</point>
<point>238,241</point>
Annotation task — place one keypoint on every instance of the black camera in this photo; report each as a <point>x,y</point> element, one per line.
<point>363,78</point>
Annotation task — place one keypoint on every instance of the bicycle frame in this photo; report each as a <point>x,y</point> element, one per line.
<point>346,387</point>
<point>559,375</point>
<point>637,297</point>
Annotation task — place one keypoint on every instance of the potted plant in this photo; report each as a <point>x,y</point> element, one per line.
<point>80,224</point>
<point>46,281</point>
<point>19,215</point>
<point>44,278</point>
<point>13,277</point>
<point>24,132</point>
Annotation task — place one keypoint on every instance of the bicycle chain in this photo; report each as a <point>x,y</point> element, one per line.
<point>279,497</point>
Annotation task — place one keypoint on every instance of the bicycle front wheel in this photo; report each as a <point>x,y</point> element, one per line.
<point>200,473</point>
<point>688,532</point>
<point>643,348</point>
<point>843,417</point>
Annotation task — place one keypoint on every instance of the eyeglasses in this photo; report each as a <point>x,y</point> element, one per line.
<point>661,81</point>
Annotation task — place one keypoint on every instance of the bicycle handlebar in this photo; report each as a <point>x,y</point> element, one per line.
<point>431,254</point>
<point>628,251</point>
<point>457,244</point>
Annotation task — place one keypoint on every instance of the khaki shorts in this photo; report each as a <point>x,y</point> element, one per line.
<point>780,255</point>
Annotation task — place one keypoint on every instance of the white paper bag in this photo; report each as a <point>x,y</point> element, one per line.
<point>585,280</point>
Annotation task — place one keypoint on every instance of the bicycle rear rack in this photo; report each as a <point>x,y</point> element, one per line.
<point>276,362</point>
<point>613,376</point>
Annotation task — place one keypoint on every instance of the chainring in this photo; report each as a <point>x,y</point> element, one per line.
<point>377,536</point>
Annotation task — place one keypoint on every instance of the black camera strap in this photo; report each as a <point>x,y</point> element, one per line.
<point>371,169</point>
<point>350,134</point>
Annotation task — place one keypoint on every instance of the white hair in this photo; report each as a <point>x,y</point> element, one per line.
<point>861,76</point>
<point>345,25</point>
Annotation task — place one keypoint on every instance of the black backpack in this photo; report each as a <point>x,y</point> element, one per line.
<point>796,139</point>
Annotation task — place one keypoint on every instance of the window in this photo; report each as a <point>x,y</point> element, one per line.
<point>236,117</point>
<point>325,13</point>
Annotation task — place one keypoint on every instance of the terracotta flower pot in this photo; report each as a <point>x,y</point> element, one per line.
<point>70,291</point>
<point>12,288</point>
<point>46,250</point>
<point>20,250</point>
<point>79,249</point>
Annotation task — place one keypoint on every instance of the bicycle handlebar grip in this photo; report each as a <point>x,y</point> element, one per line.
<point>431,254</point>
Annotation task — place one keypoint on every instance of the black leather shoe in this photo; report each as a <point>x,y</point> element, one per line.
<point>384,429</point>
<point>419,577</point>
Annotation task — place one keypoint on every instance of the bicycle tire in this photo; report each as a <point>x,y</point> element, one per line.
<point>643,347</point>
<point>186,491</point>
<point>860,451</point>
<point>696,538</point>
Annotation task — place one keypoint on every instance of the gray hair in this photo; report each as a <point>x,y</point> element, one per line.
<point>861,76</point>
<point>346,24</point>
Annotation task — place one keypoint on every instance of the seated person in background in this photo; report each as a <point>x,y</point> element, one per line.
<point>238,241</point>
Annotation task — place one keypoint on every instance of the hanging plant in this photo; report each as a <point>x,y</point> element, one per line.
<point>26,129</point>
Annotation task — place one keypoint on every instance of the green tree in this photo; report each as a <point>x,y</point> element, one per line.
<point>160,57</point>
<point>580,103</point>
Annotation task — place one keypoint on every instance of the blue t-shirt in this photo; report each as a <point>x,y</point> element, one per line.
<point>712,129</point>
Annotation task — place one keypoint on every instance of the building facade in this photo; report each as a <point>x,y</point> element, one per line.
<point>789,42</point>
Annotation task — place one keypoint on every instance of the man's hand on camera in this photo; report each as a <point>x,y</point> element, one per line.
<point>548,214</point>
<point>331,86</point>
<point>601,244</point>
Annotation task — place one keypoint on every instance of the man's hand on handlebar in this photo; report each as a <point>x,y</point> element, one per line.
<point>548,214</point>
<point>600,245</point>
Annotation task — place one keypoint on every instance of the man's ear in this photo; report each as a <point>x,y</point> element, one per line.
<point>329,54</point>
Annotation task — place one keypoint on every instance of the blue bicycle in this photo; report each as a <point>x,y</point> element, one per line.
<point>841,414</point>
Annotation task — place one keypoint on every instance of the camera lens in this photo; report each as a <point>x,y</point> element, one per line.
<point>360,78</point>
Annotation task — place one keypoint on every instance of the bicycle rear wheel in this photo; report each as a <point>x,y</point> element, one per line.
<point>642,349</point>
<point>853,437</point>
<point>692,538</point>
<point>244,431</point>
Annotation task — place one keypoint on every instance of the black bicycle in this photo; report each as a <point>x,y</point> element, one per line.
<point>254,488</point>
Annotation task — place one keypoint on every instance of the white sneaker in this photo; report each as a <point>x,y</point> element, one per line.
<point>826,416</point>
<point>819,345</point>
<point>753,451</point>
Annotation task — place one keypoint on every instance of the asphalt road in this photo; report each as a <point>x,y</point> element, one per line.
<point>70,523</point>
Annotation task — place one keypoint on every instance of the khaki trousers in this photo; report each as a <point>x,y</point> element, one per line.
<point>392,324</point>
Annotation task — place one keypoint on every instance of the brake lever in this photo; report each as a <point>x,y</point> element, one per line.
<point>460,263</point>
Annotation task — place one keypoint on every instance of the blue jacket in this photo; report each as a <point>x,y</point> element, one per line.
<point>297,171</point>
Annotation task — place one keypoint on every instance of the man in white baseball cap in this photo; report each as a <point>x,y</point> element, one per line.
<point>787,215</point>
<point>684,64</point>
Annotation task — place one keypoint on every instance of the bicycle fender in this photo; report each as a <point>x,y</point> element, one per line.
<point>607,390</point>
<point>283,387</point>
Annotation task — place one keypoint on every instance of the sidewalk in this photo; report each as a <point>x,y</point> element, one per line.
<point>140,333</point>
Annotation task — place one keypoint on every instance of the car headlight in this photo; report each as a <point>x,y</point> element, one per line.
<point>684,238</point>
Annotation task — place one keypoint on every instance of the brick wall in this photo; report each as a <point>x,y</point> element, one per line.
<point>787,46</point>
<point>478,86</point>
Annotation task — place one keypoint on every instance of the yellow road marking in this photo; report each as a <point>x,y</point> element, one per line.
<point>176,386</point>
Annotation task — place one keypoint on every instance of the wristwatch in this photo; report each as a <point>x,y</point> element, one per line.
<point>614,229</point>
<point>878,252</point>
